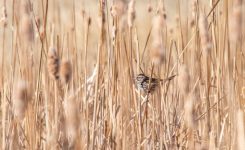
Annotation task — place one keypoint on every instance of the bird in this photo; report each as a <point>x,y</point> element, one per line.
<point>142,81</point>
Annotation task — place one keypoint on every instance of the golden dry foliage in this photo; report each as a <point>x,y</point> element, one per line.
<point>81,60</point>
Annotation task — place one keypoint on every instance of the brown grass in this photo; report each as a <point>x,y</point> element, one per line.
<point>80,59</point>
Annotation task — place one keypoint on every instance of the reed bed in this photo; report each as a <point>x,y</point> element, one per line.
<point>68,71</point>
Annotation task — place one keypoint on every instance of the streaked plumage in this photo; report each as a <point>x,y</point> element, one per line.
<point>143,81</point>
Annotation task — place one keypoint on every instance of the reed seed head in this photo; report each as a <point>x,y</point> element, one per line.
<point>20,99</point>
<point>158,23</point>
<point>161,9</point>
<point>149,7</point>
<point>184,80</point>
<point>4,17</point>
<point>65,71</point>
<point>27,28</point>
<point>157,49</point>
<point>158,53</point>
<point>25,7</point>
<point>204,35</point>
<point>194,8</point>
<point>193,12</point>
<point>189,112</point>
<point>53,63</point>
<point>118,9</point>
<point>236,21</point>
<point>4,12</point>
<point>131,13</point>
<point>38,22</point>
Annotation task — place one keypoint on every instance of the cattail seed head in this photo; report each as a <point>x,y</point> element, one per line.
<point>20,99</point>
<point>236,21</point>
<point>158,53</point>
<point>149,7</point>
<point>205,39</point>
<point>4,17</point>
<point>194,8</point>
<point>65,71</point>
<point>184,80</point>
<point>89,20</point>
<point>25,7</point>
<point>118,9</point>
<point>38,21</point>
<point>4,12</point>
<point>131,13</point>
<point>53,63</point>
<point>161,10</point>
<point>71,119</point>
<point>193,12</point>
<point>157,49</point>
<point>158,24</point>
<point>86,18</point>
<point>189,112</point>
<point>27,28</point>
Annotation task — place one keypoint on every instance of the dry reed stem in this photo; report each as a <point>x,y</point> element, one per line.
<point>240,130</point>
<point>72,120</point>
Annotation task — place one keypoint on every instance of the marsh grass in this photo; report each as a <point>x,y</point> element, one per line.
<point>80,59</point>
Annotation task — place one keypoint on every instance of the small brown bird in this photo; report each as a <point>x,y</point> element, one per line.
<point>143,82</point>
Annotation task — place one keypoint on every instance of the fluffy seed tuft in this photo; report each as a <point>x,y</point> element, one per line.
<point>157,49</point>
<point>205,39</point>
<point>53,63</point>
<point>20,99</point>
<point>184,80</point>
<point>65,71</point>
<point>27,28</point>
<point>131,13</point>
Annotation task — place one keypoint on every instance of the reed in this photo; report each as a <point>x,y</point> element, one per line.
<point>79,87</point>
